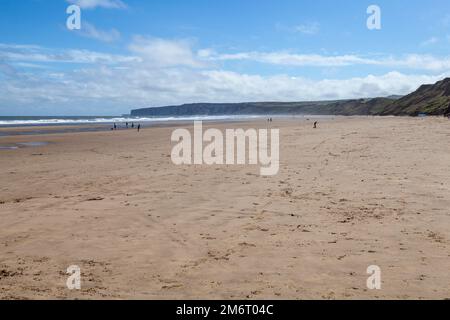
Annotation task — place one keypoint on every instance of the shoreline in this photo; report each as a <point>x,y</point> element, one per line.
<point>42,129</point>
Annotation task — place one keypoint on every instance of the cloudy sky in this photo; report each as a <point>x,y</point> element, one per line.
<point>134,53</point>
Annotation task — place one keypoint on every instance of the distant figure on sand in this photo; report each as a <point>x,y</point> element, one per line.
<point>315,125</point>
<point>139,127</point>
<point>126,124</point>
<point>115,126</point>
<point>132,125</point>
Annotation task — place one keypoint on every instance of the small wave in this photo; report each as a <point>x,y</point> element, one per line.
<point>68,121</point>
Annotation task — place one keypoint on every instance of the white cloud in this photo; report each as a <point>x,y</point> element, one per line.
<point>90,31</point>
<point>308,28</point>
<point>165,53</point>
<point>290,59</point>
<point>92,4</point>
<point>418,62</point>
<point>28,53</point>
<point>430,41</point>
<point>160,72</point>
<point>135,84</point>
<point>411,61</point>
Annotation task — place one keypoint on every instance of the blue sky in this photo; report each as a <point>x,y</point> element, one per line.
<point>136,53</point>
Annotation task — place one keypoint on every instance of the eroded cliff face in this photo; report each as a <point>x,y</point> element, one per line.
<point>341,107</point>
<point>428,99</point>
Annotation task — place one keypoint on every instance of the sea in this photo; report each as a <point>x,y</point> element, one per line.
<point>12,126</point>
<point>80,120</point>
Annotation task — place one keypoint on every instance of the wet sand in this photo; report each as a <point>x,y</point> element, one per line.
<point>353,193</point>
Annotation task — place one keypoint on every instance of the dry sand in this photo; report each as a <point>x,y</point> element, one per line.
<point>353,193</point>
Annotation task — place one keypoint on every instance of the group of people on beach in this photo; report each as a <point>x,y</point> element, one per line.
<point>269,120</point>
<point>115,127</point>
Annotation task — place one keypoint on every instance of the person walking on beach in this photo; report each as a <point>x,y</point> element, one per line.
<point>447,112</point>
<point>115,126</point>
<point>139,127</point>
<point>132,125</point>
<point>126,124</point>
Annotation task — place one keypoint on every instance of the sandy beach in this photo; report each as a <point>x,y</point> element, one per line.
<point>353,193</point>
